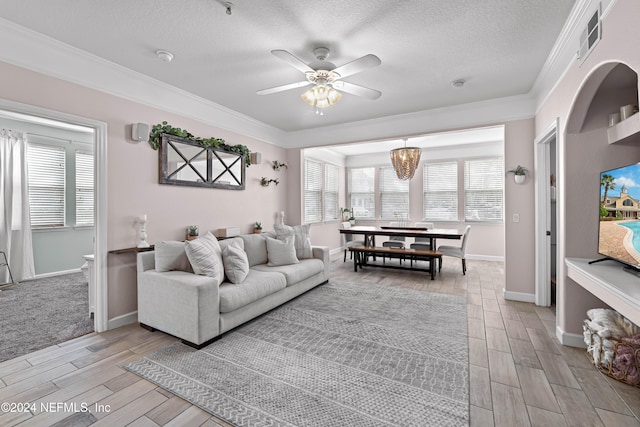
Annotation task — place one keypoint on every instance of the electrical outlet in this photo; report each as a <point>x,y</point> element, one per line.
<point>516,217</point>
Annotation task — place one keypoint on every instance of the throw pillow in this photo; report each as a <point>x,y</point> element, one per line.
<point>281,252</point>
<point>205,256</point>
<point>171,256</point>
<point>302,240</point>
<point>236,263</point>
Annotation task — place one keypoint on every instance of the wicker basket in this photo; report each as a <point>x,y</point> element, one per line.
<point>629,372</point>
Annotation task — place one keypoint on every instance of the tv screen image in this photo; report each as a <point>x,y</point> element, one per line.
<point>619,231</point>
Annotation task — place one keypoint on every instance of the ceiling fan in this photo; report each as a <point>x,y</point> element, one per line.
<point>326,78</point>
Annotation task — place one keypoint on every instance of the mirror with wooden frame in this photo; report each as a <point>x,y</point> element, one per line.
<point>185,162</point>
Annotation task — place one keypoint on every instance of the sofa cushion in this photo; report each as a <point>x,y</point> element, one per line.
<point>281,252</point>
<point>302,239</point>
<point>236,264</point>
<point>170,256</point>
<point>256,248</point>
<point>295,273</point>
<point>205,256</point>
<point>257,285</point>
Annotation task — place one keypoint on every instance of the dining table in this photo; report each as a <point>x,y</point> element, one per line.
<point>429,235</point>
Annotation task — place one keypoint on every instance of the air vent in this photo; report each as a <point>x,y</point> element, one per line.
<point>590,36</point>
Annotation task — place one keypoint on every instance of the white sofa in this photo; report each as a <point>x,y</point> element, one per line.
<point>195,309</point>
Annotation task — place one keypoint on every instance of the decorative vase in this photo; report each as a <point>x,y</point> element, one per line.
<point>257,230</point>
<point>519,178</point>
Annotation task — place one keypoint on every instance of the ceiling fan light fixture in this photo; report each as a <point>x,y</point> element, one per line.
<point>321,96</point>
<point>405,161</point>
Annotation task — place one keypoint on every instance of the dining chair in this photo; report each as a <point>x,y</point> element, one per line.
<point>457,252</point>
<point>423,243</point>
<point>349,241</point>
<point>394,241</point>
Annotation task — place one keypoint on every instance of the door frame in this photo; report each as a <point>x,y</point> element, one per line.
<point>100,196</point>
<point>542,154</point>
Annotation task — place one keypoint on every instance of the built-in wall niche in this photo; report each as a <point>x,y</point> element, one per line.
<point>618,87</point>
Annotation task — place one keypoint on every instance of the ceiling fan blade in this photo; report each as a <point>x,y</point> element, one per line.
<point>356,89</point>
<point>357,65</point>
<point>283,88</point>
<point>292,60</point>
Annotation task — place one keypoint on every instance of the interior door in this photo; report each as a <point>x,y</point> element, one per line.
<point>543,225</point>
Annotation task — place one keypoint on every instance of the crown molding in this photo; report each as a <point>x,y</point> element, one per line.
<point>563,54</point>
<point>37,52</point>
<point>461,116</point>
<point>34,51</point>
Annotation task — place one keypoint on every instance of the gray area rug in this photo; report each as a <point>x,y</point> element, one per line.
<point>39,313</point>
<point>343,354</point>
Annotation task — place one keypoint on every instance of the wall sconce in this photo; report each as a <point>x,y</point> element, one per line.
<point>140,132</point>
<point>256,158</point>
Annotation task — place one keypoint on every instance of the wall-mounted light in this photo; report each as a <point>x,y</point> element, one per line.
<point>256,158</point>
<point>140,132</point>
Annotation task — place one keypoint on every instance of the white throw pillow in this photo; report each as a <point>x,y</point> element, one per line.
<point>281,252</point>
<point>171,256</point>
<point>205,256</point>
<point>236,263</point>
<point>302,240</point>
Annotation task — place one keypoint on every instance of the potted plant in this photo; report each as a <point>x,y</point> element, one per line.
<point>257,228</point>
<point>192,232</point>
<point>519,174</point>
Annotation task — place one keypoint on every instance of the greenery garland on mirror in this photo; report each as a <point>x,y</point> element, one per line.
<point>164,127</point>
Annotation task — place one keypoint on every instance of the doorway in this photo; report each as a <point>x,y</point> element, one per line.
<point>31,114</point>
<point>546,215</point>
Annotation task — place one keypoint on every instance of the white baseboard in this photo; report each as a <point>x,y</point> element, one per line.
<point>518,296</point>
<point>335,251</point>
<point>123,320</point>
<point>572,340</point>
<point>485,257</point>
<point>53,274</point>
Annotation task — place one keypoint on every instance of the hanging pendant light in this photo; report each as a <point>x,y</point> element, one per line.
<point>405,160</point>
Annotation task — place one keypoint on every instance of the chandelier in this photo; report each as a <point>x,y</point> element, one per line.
<point>405,160</point>
<point>321,96</point>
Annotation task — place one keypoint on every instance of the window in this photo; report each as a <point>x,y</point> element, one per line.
<point>394,195</point>
<point>331,185</point>
<point>440,186</point>
<point>46,174</point>
<point>362,192</point>
<point>312,191</point>
<point>483,183</point>
<point>84,188</point>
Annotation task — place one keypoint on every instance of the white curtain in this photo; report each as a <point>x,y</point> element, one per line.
<point>15,221</point>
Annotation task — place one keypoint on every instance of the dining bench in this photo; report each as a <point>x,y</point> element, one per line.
<point>361,252</point>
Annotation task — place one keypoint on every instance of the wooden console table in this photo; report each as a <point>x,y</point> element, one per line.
<point>131,250</point>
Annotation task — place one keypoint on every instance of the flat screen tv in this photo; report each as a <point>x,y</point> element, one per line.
<point>619,231</point>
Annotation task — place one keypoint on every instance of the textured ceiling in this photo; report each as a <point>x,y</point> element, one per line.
<point>497,46</point>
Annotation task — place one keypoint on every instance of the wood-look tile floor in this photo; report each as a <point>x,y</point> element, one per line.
<point>519,373</point>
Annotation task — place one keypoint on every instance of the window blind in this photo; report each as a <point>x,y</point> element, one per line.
<point>84,188</point>
<point>440,187</point>
<point>362,192</point>
<point>331,186</point>
<point>394,195</point>
<point>312,191</point>
<point>46,175</point>
<point>483,184</point>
